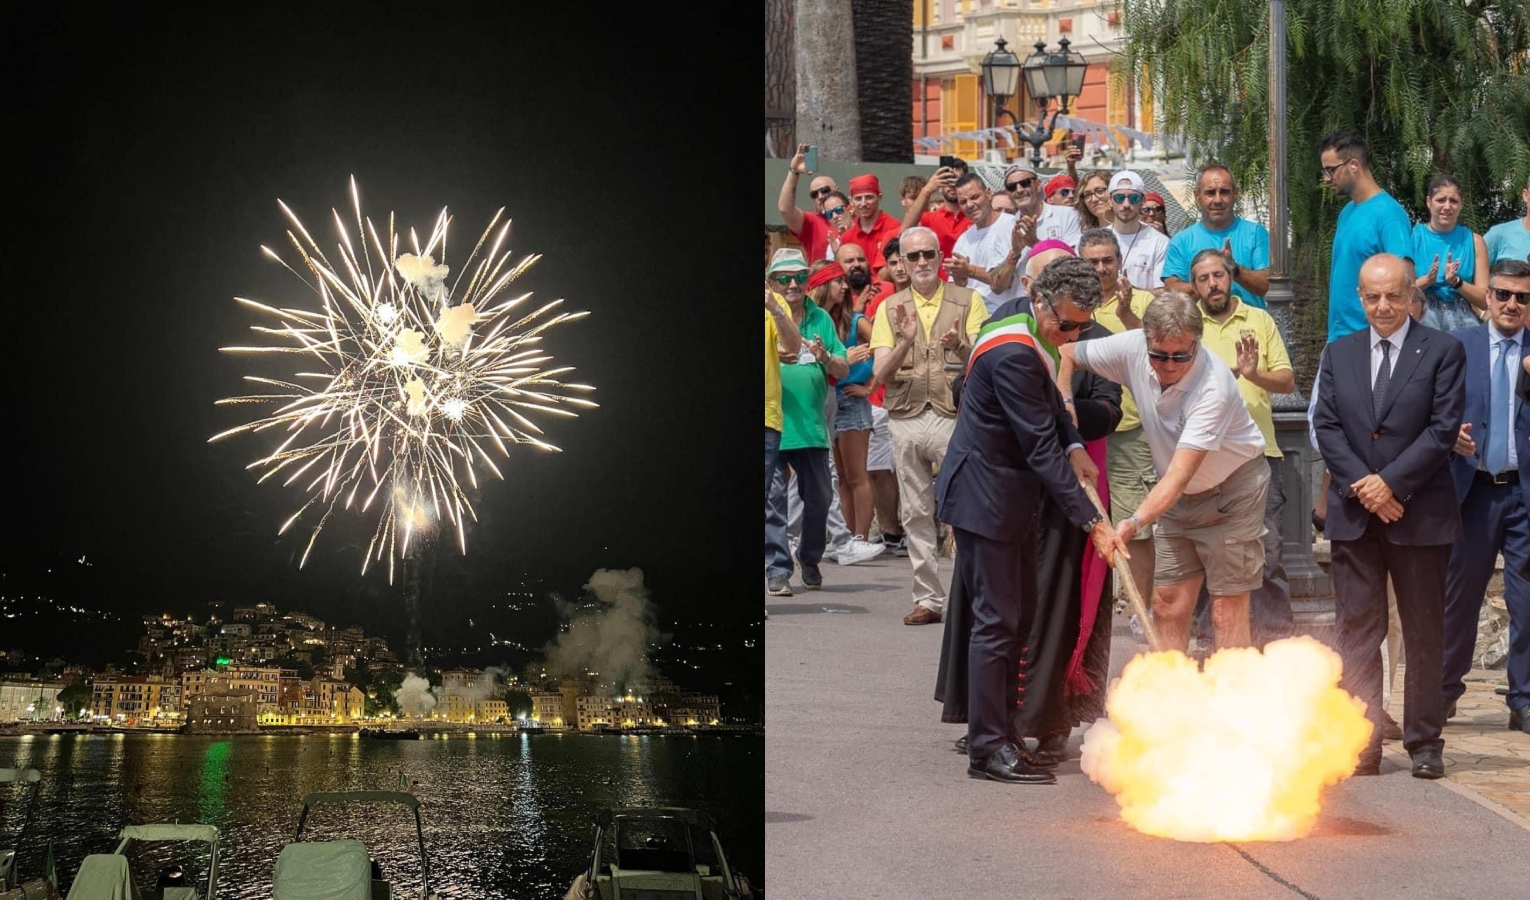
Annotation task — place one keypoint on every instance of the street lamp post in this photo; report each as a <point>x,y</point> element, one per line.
<point>1047,75</point>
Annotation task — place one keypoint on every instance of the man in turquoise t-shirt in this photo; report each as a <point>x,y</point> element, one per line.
<point>1244,244</point>
<point>1371,223</point>
<point>1511,239</point>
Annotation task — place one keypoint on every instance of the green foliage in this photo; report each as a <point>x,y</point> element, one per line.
<point>1434,85</point>
<point>519,703</point>
<point>74,698</point>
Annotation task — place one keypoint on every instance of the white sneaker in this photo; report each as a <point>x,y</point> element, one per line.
<point>859,551</point>
<point>831,552</point>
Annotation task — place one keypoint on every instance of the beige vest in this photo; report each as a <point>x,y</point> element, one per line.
<point>928,370</point>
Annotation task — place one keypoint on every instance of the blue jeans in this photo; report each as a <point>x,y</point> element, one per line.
<point>772,457</point>
<point>812,468</point>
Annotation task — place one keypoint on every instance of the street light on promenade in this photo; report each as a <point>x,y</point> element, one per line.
<point>1311,589</point>
<point>1047,75</point>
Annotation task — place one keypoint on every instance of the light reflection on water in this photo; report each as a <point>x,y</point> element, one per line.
<point>504,817</point>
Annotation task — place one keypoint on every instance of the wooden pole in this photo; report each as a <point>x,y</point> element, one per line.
<point>1124,570</point>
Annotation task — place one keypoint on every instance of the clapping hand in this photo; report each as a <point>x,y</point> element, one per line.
<point>869,294</point>
<point>1024,234</point>
<point>819,351</point>
<point>959,267</point>
<point>771,306</point>
<point>1227,256</point>
<point>1248,356</point>
<point>952,339</point>
<point>858,354</point>
<point>906,323</point>
<point>1428,277</point>
<point>1452,267</point>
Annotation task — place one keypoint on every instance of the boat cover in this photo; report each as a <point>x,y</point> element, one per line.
<point>323,870</point>
<point>166,832</point>
<point>104,876</point>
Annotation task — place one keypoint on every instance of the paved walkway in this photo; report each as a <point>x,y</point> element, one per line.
<point>865,798</point>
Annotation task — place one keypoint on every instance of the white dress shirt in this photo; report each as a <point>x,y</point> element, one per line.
<point>1396,340</point>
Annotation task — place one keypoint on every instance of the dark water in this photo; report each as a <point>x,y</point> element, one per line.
<point>504,818</point>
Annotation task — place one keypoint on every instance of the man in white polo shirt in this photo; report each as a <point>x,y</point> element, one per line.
<point>1143,248</point>
<point>1209,455</point>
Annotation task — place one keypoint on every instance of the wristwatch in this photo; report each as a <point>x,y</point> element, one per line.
<point>1455,284</point>
<point>1089,525</point>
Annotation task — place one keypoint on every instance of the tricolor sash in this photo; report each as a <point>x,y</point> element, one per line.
<point>1016,329</point>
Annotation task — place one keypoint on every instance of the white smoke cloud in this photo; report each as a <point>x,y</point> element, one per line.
<point>455,324</point>
<point>426,277</point>
<point>613,638</point>
<point>414,696</point>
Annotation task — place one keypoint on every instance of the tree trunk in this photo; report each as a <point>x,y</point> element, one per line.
<point>780,80</point>
<point>828,115</point>
<point>884,76</point>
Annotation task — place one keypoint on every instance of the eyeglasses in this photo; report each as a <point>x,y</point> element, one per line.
<point>1094,194</point>
<point>1133,199</point>
<point>1020,183</point>
<point>791,277</point>
<point>1329,170</point>
<point>1160,356</point>
<point>1068,326</point>
<point>916,255</point>
<point>821,192</point>
<point>831,213</point>
<point>1504,295</point>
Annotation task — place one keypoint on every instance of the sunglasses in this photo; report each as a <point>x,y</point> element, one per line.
<point>1133,199</point>
<point>1329,170</point>
<point>917,255</point>
<point>1064,192</point>
<point>790,278</point>
<point>1160,356</point>
<point>821,192</point>
<point>1504,295</point>
<point>831,213</point>
<point>1068,326</point>
<point>1152,210</point>
<point>1020,183</point>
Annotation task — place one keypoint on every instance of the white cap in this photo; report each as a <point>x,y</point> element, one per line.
<point>1127,180</point>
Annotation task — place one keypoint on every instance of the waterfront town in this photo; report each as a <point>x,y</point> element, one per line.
<point>262,670</point>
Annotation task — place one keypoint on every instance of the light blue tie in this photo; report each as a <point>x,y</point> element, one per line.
<point>1496,457</point>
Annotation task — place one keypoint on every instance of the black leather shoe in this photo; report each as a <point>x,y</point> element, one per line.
<point>1519,719</point>
<point>1038,760</point>
<point>961,744</point>
<point>1005,765</point>
<point>1054,745</point>
<point>1428,764</point>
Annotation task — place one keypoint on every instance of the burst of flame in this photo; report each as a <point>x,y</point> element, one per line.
<point>1239,752</point>
<point>407,386</point>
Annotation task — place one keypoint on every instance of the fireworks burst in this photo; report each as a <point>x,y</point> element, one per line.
<point>405,387</point>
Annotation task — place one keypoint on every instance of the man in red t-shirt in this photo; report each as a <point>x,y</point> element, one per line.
<point>947,222</point>
<point>818,233</point>
<point>868,295</point>
<point>872,228</point>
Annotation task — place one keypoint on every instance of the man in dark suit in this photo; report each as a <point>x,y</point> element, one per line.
<point>1388,412</point>
<point>1014,439</point>
<point>1490,454</point>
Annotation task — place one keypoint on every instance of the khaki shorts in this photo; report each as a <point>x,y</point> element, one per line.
<point>1219,532</point>
<point>879,449</point>
<point>1130,474</point>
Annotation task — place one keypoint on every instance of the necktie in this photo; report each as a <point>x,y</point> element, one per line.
<point>1383,377</point>
<point>1496,456</point>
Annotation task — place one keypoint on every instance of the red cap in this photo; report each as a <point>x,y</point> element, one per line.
<point>1058,183</point>
<point>1154,195</point>
<point>865,184</point>
<point>825,275</point>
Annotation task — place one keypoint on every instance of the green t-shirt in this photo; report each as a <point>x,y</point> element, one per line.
<point>805,386</point>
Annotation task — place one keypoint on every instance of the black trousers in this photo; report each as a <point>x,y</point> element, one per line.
<point>1360,572</point>
<point>1002,579</point>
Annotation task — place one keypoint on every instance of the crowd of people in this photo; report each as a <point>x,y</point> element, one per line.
<point>1026,366</point>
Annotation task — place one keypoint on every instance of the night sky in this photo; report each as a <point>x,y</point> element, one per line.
<point>148,153</point>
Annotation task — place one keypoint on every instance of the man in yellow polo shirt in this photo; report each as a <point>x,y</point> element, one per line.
<point>1128,461</point>
<point>920,340</point>
<point>1245,337</point>
<point>780,337</point>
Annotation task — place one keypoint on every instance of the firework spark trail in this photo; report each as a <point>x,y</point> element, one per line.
<point>404,386</point>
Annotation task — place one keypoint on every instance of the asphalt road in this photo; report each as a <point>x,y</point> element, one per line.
<point>864,796</point>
